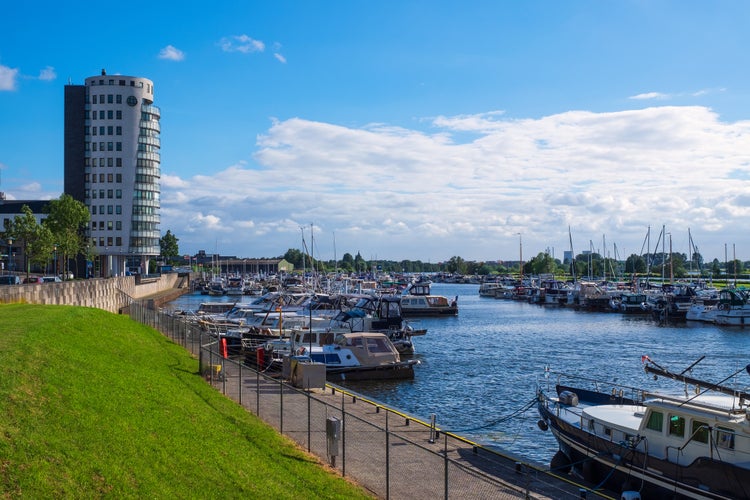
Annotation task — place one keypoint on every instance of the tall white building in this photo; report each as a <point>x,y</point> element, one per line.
<point>112,165</point>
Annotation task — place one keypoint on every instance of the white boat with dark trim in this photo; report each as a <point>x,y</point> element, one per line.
<point>416,300</point>
<point>689,444</point>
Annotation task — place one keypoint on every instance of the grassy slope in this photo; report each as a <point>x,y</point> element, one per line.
<point>96,405</point>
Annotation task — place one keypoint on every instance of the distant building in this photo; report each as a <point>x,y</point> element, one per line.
<point>112,165</point>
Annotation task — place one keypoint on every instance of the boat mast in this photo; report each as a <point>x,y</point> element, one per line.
<point>572,256</point>
<point>657,370</point>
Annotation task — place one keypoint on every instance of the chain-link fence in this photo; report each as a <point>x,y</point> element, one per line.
<point>391,454</point>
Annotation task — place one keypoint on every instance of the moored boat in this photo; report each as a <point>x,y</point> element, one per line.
<point>692,444</point>
<point>418,301</point>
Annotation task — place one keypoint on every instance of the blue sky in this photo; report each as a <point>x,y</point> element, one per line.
<point>409,129</point>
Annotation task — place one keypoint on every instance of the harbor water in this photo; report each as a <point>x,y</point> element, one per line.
<point>479,370</point>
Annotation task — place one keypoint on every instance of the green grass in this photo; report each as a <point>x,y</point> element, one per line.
<point>94,405</point>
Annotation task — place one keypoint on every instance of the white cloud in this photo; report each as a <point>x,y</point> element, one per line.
<point>8,78</point>
<point>47,74</point>
<point>171,53</point>
<point>649,96</point>
<point>241,43</point>
<point>280,58</point>
<point>402,193</point>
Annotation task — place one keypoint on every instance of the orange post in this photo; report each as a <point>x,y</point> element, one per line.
<point>224,347</point>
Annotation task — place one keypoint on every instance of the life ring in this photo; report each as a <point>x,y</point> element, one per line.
<point>723,306</point>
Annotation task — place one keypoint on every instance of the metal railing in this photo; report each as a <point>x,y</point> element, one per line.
<point>391,454</point>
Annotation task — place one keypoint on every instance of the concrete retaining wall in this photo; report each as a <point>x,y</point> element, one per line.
<point>110,294</point>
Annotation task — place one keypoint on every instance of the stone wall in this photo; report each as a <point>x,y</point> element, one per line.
<point>110,294</point>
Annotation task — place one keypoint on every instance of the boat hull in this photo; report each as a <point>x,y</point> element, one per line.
<point>620,467</point>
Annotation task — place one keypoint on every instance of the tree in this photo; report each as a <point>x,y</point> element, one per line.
<point>456,265</point>
<point>34,238</point>
<point>67,220</point>
<point>168,247</point>
<point>635,264</point>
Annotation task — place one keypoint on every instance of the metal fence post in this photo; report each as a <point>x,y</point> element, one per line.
<point>309,421</point>
<point>343,437</point>
<point>445,453</point>
<point>239,383</point>
<point>387,459</point>
<point>257,393</point>
<point>281,405</point>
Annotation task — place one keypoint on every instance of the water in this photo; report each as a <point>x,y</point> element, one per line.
<point>477,370</point>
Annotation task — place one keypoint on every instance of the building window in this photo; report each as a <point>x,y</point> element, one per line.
<point>101,225</point>
<point>118,225</point>
<point>122,82</point>
<point>118,99</point>
<point>101,130</point>
<point>110,99</point>
<point>119,146</point>
<point>118,209</point>
<point>110,193</point>
<point>101,241</point>
<point>110,161</point>
<point>101,194</point>
<point>101,177</point>
<point>101,209</point>
<point>118,130</point>
<point>94,99</point>
<point>118,162</point>
<point>86,130</point>
<point>86,193</point>
<point>93,226</point>
<point>101,161</point>
<point>87,114</point>
<point>101,98</point>
<point>118,193</point>
<point>101,146</point>
<point>118,114</point>
<point>94,194</point>
<point>110,130</point>
<point>109,114</point>
<point>101,114</point>
<point>118,241</point>
<point>118,178</point>
<point>109,225</point>
<point>109,241</point>
<point>110,209</point>
<point>93,144</point>
<point>86,177</point>
<point>110,146</point>
<point>110,178</point>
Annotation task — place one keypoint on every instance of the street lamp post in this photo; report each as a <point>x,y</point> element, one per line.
<point>10,255</point>
<point>55,265</point>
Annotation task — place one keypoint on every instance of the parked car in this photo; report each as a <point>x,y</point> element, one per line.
<point>33,279</point>
<point>51,279</point>
<point>10,280</point>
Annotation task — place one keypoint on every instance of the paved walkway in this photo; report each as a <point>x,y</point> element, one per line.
<point>391,454</point>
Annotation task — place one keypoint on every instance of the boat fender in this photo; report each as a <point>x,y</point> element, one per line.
<point>542,424</point>
<point>569,398</point>
<point>560,463</point>
<point>630,495</point>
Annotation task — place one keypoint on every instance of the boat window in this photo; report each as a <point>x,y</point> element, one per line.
<point>592,427</point>
<point>655,421</point>
<point>377,345</point>
<point>326,338</point>
<point>676,426</point>
<point>700,431</point>
<point>333,359</point>
<point>724,438</point>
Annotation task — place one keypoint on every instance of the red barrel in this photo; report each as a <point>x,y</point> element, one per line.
<point>260,355</point>
<point>224,347</point>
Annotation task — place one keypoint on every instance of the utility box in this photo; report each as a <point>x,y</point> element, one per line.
<point>308,375</point>
<point>286,367</point>
<point>333,437</point>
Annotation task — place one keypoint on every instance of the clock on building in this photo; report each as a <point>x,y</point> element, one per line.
<point>132,101</point>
